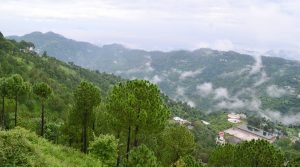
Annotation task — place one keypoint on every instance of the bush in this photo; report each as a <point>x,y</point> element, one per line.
<point>16,149</point>
<point>20,147</point>
<point>142,156</point>
<point>105,148</point>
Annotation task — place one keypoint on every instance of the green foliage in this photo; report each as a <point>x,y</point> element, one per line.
<point>17,87</point>
<point>42,90</point>
<point>6,45</point>
<point>138,109</point>
<point>19,147</point>
<point>175,142</point>
<point>105,148</point>
<point>139,103</point>
<point>189,161</point>
<point>233,72</point>
<point>61,77</point>
<point>133,110</point>
<point>223,156</point>
<point>142,156</point>
<point>218,121</point>
<point>15,149</point>
<point>252,153</point>
<point>204,140</point>
<point>4,92</point>
<point>86,97</point>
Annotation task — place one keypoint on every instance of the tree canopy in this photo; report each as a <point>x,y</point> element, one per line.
<point>86,97</point>
<point>248,153</point>
<point>138,108</point>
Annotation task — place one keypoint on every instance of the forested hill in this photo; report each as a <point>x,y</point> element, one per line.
<point>112,121</point>
<point>62,77</point>
<point>207,79</point>
<point>19,64</point>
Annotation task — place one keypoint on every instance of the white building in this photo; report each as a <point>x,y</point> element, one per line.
<point>248,133</point>
<point>181,121</point>
<point>234,118</point>
<point>205,122</point>
<point>220,139</point>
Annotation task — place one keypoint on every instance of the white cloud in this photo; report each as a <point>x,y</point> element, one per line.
<point>286,119</point>
<point>221,93</point>
<point>263,78</point>
<point>148,67</point>
<point>232,105</point>
<point>156,79</point>
<point>180,91</point>
<point>205,89</point>
<point>165,24</point>
<point>187,74</point>
<point>220,44</point>
<point>275,91</point>
<point>180,94</point>
<point>191,103</point>
<point>257,66</point>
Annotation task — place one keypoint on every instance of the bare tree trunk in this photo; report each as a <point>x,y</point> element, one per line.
<point>135,136</point>
<point>119,154</point>
<point>94,125</point>
<point>16,110</point>
<point>43,120</point>
<point>85,142</point>
<point>3,113</point>
<point>128,142</point>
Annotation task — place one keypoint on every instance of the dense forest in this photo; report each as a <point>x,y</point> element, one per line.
<point>210,80</point>
<point>59,114</point>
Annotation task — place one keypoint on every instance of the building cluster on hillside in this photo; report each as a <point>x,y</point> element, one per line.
<point>181,121</point>
<point>205,122</point>
<point>220,140</point>
<point>235,118</point>
<point>246,132</point>
<point>295,138</point>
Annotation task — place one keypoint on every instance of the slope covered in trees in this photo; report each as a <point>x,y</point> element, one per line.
<point>117,122</point>
<point>63,105</point>
<point>207,79</point>
<point>20,147</point>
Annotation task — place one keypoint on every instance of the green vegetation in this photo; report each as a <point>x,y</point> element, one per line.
<point>186,70</point>
<point>87,97</point>
<point>253,153</point>
<point>176,142</point>
<point>43,91</point>
<point>105,148</point>
<point>127,123</point>
<point>142,156</point>
<point>19,147</point>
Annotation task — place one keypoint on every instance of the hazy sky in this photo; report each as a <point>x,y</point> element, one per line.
<point>161,24</point>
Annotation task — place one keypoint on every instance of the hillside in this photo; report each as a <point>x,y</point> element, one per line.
<point>107,123</point>
<point>24,148</point>
<point>207,79</point>
<point>63,79</point>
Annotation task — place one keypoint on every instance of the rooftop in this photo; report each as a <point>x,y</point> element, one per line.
<point>257,132</point>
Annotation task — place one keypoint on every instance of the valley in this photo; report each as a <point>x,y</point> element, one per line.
<point>210,80</point>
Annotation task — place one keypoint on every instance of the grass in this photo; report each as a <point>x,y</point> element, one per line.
<point>20,147</point>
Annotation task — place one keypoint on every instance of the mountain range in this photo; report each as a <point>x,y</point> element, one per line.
<point>207,79</point>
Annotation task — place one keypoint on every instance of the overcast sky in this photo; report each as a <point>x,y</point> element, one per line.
<point>161,24</point>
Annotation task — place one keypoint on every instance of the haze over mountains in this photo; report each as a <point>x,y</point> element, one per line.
<point>208,79</point>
